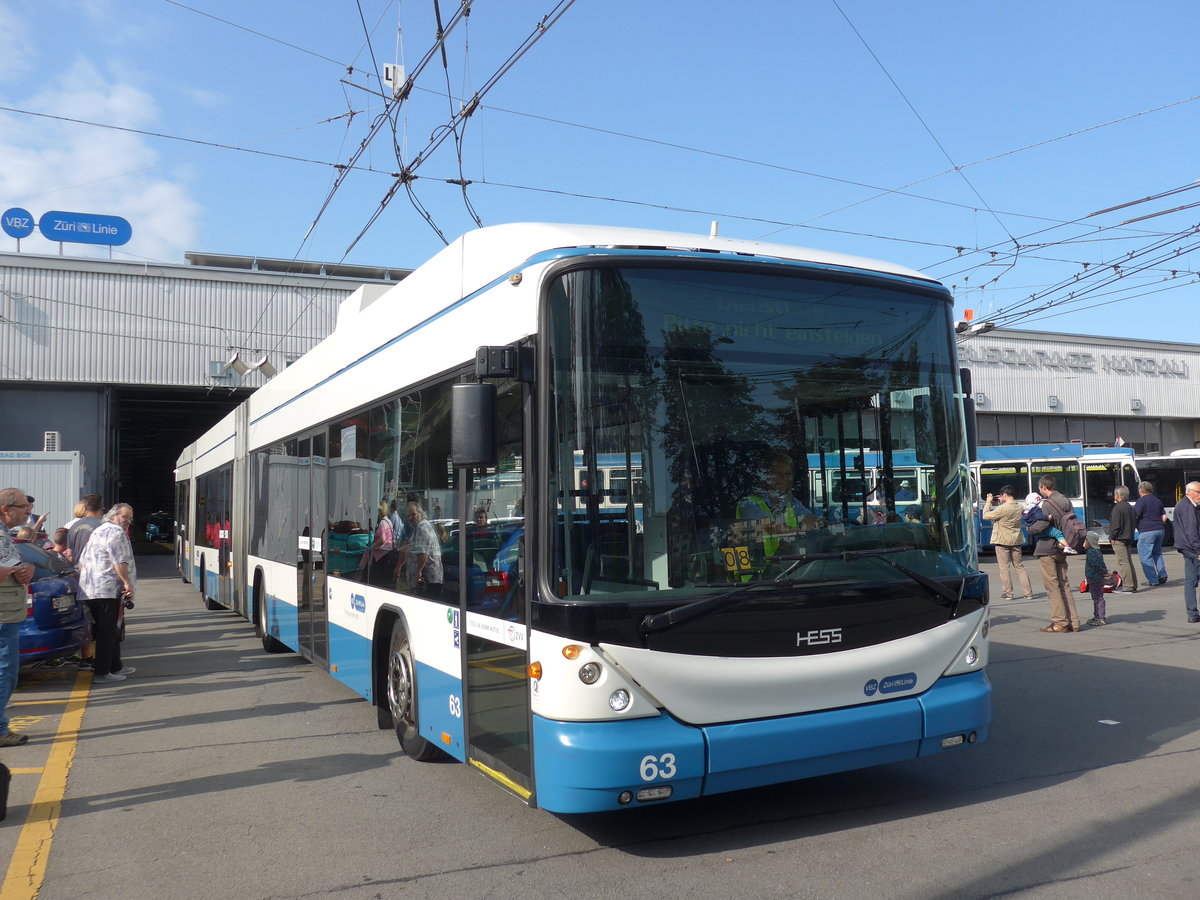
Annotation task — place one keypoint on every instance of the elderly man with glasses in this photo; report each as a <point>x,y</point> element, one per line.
<point>1187,542</point>
<point>106,579</point>
<point>14,575</point>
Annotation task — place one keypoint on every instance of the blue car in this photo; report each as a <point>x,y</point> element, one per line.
<point>55,623</point>
<point>492,573</point>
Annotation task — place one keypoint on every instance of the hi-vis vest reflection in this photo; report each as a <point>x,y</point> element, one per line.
<point>770,542</point>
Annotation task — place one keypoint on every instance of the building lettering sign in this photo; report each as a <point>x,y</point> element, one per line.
<point>1073,362</point>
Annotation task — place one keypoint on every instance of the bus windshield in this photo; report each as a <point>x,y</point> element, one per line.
<point>765,415</point>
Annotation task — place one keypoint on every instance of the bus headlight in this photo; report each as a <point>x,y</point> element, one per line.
<point>619,700</point>
<point>589,673</point>
<point>971,656</point>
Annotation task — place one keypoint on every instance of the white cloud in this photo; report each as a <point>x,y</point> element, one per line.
<point>14,42</point>
<point>55,164</point>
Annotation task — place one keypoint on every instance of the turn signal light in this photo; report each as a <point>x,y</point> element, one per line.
<point>572,651</point>
<point>535,670</point>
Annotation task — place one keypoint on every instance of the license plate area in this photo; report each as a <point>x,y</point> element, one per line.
<point>63,603</point>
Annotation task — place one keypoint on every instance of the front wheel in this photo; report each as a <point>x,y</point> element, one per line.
<point>402,696</point>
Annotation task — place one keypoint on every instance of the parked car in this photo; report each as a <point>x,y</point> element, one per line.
<point>55,623</point>
<point>492,572</point>
<point>160,527</point>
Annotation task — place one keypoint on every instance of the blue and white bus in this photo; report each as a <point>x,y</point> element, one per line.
<point>683,650</point>
<point>1084,475</point>
<point>858,484</point>
<point>1169,476</point>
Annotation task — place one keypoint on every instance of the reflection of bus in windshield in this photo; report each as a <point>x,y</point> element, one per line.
<point>1084,475</point>
<point>671,597</point>
<point>864,485</point>
<point>612,480</point>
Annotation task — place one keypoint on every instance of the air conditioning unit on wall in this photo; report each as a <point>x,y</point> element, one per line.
<point>52,440</point>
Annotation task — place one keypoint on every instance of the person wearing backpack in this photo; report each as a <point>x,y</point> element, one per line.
<point>1050,558</point>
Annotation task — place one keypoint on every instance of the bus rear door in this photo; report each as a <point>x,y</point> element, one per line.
<point>312,610</point>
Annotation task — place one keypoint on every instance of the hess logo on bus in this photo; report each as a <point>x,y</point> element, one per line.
<point>817,637</point>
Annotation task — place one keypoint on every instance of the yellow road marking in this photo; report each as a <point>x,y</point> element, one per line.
<point>27,771</point>
<point>28,867</point>
<point>46,702</point>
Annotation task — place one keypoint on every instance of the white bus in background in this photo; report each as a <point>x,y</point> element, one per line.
<point>569,375</point>
<point>1169,475</point>
<point>1084,475</point>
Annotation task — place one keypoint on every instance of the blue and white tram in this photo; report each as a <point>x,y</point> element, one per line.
<point>1086,476</point>
<point>654,635</point>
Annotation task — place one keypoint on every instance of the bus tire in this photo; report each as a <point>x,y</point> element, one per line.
<point>402,696</point>
<point>270,643</point>
<point>209,603</point>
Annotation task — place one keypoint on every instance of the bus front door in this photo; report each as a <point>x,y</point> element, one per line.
<point>493,607</point>
<point>311,599</point>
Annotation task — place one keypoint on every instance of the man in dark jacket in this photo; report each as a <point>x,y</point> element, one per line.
<point>1052,562</point>
<point>1187,542</point>
<point>1120,532</point>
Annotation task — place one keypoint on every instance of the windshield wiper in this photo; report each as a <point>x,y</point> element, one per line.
<point>943,595</point>
<point>689,611</point>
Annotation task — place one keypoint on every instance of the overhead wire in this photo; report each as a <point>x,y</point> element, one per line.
<point>174,320</point>
<point>190,140</point>
<point>440,135</point>
<point>386,116</point>
<point>463,181</point>
<point>1096,278</point>
<point>921,119</point>
<point>411,86</point>
<point>882,191</point>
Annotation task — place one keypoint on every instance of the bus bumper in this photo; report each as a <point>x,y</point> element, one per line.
<point>597,766</point>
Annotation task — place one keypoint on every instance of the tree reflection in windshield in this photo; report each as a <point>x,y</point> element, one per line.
<point>769,415</point>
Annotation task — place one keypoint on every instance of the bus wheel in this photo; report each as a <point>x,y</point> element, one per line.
<point>209,603</point>
<point>402,696</point>
<point>269,642</point>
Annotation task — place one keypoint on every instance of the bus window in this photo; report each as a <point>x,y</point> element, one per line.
<point>618,483</point>
<point>994,477</point>
<point>1065,475</point>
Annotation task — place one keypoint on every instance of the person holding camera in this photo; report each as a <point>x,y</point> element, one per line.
<point>107,579</point>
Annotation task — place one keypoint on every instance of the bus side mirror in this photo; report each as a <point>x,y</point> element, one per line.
<point>473,425</point>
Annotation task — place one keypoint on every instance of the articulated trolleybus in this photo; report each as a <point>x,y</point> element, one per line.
<point>605,580</point>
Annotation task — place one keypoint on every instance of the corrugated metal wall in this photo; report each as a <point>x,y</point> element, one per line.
<point>98,321</point>
<point>1088,376</point>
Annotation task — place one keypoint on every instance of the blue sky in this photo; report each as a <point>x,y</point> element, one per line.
<point>835,125</point>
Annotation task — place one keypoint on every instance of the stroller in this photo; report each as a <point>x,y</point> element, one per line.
<point>1112,581</point>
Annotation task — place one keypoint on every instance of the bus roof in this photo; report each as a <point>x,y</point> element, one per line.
<point>522,240</point>
<point>1071,450</point>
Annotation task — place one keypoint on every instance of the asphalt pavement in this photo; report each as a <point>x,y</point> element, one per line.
<point>220,771</point>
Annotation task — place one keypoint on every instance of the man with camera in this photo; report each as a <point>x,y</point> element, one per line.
<point>106,579</point>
